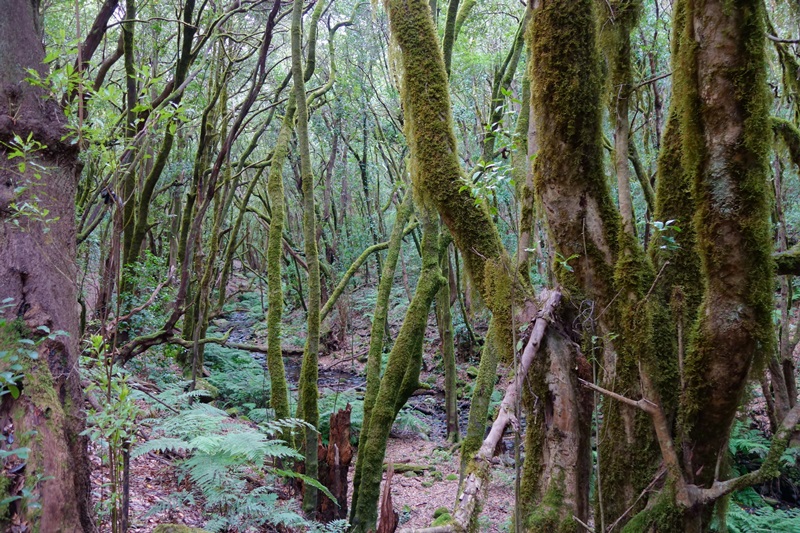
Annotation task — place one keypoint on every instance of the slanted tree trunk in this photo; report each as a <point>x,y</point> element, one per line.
<point>376,340</point>
<point>38,275</point>
<point>400,379</point>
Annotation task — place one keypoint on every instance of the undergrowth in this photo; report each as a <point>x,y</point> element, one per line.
<point>235,466</point>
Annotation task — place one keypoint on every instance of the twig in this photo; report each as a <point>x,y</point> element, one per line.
<point>113,323</point>
<point>775,39</point>
<point>584,524</point>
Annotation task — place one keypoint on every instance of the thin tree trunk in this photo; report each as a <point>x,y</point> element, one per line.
<point>400,380</point>
<point>308,393</point>
<point>379,316</point>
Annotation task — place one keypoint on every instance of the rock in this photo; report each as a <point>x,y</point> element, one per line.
<point>221,324</point>
<point>472,372</point>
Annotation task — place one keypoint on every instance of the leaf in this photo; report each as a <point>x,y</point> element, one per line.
<point>305,479</point>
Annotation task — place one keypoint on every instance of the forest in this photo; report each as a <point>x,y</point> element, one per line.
<point>412,265</point>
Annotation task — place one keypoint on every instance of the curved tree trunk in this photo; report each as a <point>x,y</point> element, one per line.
<point>37,274</point>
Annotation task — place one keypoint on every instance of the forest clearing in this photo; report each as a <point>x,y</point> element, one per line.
<point>412,265</point>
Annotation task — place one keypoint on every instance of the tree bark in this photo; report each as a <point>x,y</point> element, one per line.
<point>38,275</point>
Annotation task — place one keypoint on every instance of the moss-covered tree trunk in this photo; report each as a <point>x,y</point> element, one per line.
<point>308,393</point>
<point>38,291</point>
<point>277,373</point>
<point>725,127</point>
<point>558,464</point>
<point>598,258</point>
<point>444,319</point>
<point>400,379</point>
<point>379,316</point>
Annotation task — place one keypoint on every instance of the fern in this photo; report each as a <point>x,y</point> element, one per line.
<point>225,456</point>
<point>331,402</point>
<point>761,520</point>
<point>162,445</point>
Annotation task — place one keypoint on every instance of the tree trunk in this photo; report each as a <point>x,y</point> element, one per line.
<point>334,463</point>
<point>308,393</point>
<point>37,274</point>
<point>399,380</point>
<point>725,127</point>
<point>379,317</point>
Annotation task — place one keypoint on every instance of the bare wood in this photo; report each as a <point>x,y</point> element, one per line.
<point>389,517</point>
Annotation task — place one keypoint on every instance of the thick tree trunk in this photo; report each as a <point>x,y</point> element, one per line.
<point>726,142</point>
<point>37,274</point>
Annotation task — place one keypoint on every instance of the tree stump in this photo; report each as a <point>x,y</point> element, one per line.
<point>334,463</point>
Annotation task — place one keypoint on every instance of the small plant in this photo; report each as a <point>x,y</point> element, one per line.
<point>563,262</point>
<point>664,232</point>
<point>113,427</point>
<point>225,459</point>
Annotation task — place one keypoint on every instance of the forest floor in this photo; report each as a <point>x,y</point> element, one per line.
<point>418,436</point>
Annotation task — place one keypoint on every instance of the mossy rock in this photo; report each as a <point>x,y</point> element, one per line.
<point>204,385</point>
<point>442,520</point>
<point>177,528</point>
<point>440,511</point>
<point>472,372</point>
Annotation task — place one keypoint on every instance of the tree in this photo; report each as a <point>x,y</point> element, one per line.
<point>39,168</point>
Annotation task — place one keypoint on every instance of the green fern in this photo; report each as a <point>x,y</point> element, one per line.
<point>162,445</point>
<point>224,457</point>
<point>761,520</point>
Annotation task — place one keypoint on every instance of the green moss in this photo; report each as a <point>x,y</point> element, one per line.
<point>566,88</point>
<point>790,135</point>
<point>664,516</point>
<point>532,467</point>
<point>400,379</point>
<point>734,330</point>
<point>440,511</point>
<point>548,516</point>
<point>481,396</point>
<point>442,520</point>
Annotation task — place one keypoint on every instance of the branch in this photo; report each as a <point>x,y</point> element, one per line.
<point>768,469</point>
<point>111,325</point>
<point>328,307</point>
<point>478,479</point>
<point>644,404</point>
